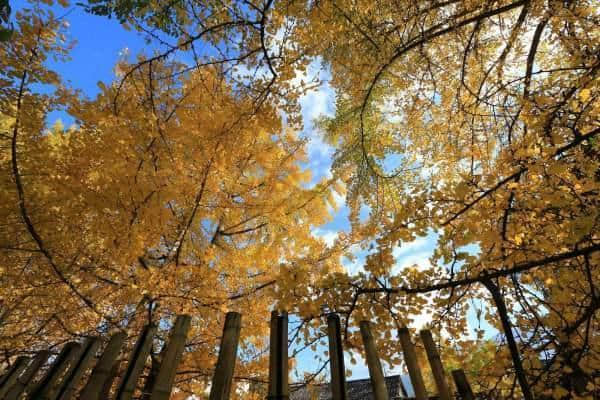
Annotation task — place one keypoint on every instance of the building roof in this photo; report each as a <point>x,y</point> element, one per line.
<point>357,389</point>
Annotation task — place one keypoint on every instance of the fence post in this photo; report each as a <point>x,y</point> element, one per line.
<point>462,385</point>
<point>375,372</point>
<point>223,375</point>
<point>62,380</point>
<point>436,365</point>
<point>336,358</point>
<point>273,334</point>
<point>278,358</point>
<point>410,358</point>
<point>283,343</point>
<point>103,368</point>
<point>10,371</point>
<point>78,369</point>
<point>12,374</point>
<point>108,384</point>
<point>45,389</point>
<point>136,364</point>
<point>172,356</point>
<point>25,381</point>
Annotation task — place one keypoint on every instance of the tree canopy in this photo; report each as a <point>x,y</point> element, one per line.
<point>183,186</point>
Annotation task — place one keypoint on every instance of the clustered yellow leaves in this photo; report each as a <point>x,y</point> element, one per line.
<point>497,140</point>
<point>181,190</point>
<point>165,196</point>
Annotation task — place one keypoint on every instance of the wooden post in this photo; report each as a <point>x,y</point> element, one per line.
<point>410,358</point>
<point>8,373</point>
<point>375,372</point>
<point>278,358</point>
<point>436,365</point>
<point>25,381</point>
<point>78,370</point>
<point>9,379</point>
<point>223,375</point>
<point>45,389</point>
<point>136,364</point>
<point>273,334</point>
<point>336,358</point>
<point>105,391</point>
<point>462,385</point>
<point>283,355</point>
<point>152,373</point>
<point>103,368</point>
<point>62,380</point>
<point>172,356</point>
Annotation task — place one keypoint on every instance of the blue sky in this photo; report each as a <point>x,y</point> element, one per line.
<point>101,42</point>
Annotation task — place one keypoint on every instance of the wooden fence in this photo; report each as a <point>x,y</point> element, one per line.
<point>67,376</point>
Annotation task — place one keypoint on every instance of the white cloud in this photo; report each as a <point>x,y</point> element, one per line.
<point>421,259</point>
<point>420,320</point>
<point>328,236</point>
<point>339,200</point>
<point>316,103</point>
<point>416,252</point>
<point>416,245</point>
<point>357,264</point>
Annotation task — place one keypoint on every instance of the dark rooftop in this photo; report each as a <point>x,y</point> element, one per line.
<point>398,388</point>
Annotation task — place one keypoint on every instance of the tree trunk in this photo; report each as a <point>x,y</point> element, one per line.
<point>510,338</point>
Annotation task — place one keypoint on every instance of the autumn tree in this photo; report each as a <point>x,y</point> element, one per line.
<point>172,192</point>
<point>179,188</point>
<point>478,121</point>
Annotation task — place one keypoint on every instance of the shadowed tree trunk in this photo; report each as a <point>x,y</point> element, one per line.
<point>510,337</point>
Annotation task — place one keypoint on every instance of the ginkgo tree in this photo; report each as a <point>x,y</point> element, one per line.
<point>179,188</point>
<point>477,120</point>
<point>188,197</point>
